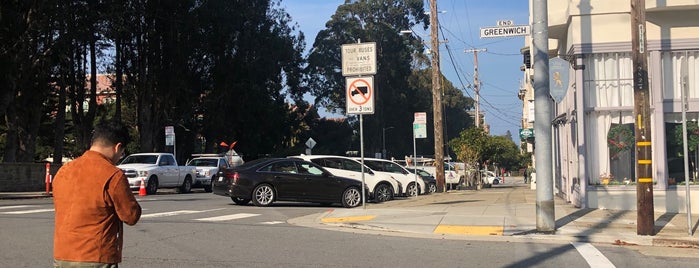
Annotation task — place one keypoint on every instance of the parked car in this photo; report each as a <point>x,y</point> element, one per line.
<point>398,172</point>
<point>382,187</point>
<point>427,177</point>
<point>264,181</point>
<point>489,178</point>
<point>157,170</point>
<point>452,175</point>
<point>207,169</point>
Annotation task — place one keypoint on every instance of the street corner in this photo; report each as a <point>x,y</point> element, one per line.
<point>470,230</point>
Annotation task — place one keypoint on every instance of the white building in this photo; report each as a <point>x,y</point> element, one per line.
<point>595,116</point>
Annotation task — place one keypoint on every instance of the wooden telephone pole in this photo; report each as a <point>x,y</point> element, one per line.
<point>437,100</point>
<point>644,157</point>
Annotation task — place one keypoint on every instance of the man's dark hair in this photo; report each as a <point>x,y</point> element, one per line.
<point>111,132</point>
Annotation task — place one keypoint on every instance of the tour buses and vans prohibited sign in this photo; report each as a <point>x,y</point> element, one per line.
<point>360,95</point>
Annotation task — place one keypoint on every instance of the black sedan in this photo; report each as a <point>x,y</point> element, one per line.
<point>430,181</point>
<point>267,180</point>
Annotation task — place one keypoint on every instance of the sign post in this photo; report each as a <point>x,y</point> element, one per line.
<point>359,59</point>
<point>419,132</point>
<point>170,139</point>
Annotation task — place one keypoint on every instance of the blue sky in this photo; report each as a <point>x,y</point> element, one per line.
<point>461,20</point>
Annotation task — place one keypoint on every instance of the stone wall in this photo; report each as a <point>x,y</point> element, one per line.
<point>24,177</point>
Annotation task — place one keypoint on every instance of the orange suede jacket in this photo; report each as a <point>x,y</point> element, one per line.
<point>92,198</point>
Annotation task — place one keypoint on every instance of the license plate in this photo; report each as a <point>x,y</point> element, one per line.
<point>220,178</point>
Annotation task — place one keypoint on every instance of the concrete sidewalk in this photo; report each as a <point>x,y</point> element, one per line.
<point>508,211</point>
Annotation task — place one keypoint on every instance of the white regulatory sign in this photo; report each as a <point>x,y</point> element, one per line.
<point>360,95</point>
<point>514,30</point>
<point>359,59</point>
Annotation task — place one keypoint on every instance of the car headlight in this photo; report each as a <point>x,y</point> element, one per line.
<point>143,173</point>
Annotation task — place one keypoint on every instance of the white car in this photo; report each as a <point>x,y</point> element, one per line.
<point>489,178</point>
<point>381,187</point>
<point>399,173</point>
<point>207,170</point>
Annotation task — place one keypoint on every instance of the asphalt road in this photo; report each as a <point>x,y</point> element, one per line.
<point>204,230</point>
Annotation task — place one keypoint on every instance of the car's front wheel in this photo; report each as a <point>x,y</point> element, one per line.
<point>351,197</point>
<point>240,201</point>
<point>431,188</point>
<point>186,186</point>
<point>263,195</point>
<point>209,188</point>
<point>152,186</point>
<point>383,193</point>
<point>412,190</point>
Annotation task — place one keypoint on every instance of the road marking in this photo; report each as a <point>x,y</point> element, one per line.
<point>272,222</point>
<point>349,219</point>
<point>468,230</point>
<point>27,211</point>
<point>592,255</point>
<point>229,217</point>
<point>171,213</point>
<point>14,207</point>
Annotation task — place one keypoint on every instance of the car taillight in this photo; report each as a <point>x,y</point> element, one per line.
<point>233,177</point>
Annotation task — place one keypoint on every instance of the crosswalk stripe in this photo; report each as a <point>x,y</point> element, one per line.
<point>592,255</point>
<point>27,211</point>
<point>14,207</point>
<point>229,217</point>
<point>171,213</point>
<point>175,213</point>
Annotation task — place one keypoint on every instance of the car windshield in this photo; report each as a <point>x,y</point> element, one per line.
<point>374,165</point>
<point>140,159</point>
<point>203,162</point>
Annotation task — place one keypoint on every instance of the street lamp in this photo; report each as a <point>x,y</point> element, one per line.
<point>384,141</point>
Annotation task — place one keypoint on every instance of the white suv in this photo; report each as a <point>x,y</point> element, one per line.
<point>399,173</point>
<point>381,187</point>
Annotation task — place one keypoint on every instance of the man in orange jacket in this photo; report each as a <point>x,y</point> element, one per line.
<point>92,199</point>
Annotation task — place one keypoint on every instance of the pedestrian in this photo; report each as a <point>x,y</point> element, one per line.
<point>92,200</point>
<point>525,175</point>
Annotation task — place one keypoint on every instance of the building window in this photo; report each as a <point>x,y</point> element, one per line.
<point>673,77</point>
<point>608,94</point>
<point>608,80</point>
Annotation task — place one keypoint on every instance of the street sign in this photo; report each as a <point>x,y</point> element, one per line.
<point>169,135</point>
<point>359,59</point>
<point>420,118</point>
<point>506,31</point>
<point>310,143</point>
<point>420,125</point>
<point>420,131</point>
<point>360,95</point>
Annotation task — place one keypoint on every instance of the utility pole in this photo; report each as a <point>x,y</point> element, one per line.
<point>476,83</point>
<point>437,100</point>
<point>545,218</point>
<point>644,157</point>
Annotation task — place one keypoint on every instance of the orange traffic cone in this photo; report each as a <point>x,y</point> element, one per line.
<point>142,190</point>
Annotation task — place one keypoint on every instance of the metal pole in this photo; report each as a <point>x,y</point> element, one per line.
<point>415,159</point>
<point>437,99</point>
<point>685,149</point>
<point>383,143</point>
<point>361,150</point>
<point>545,218</point>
